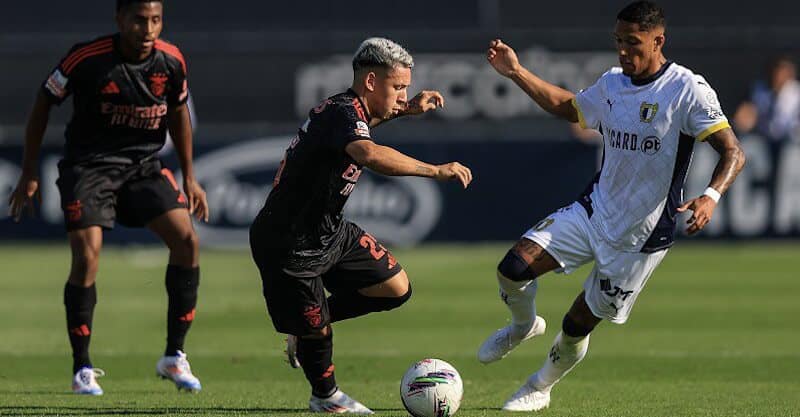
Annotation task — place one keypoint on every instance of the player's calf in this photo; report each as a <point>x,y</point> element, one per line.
<point>518,290</point>
<point>315,354</point>
<point>181,284</point>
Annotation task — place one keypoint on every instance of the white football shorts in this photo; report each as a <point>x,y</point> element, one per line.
<point>617,277</point>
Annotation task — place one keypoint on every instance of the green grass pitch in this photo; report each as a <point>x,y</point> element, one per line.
<point>715,333</point>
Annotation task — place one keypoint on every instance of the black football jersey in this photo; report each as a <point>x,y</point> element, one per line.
<point>303,212</point>
<point>120,107</point>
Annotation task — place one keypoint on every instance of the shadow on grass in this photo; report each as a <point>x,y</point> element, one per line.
<point>193,411</point>
<point>122,411</point>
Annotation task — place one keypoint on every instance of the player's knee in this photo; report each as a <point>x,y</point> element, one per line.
<point>390,303</point>
<point>190,242</point>
<point>375,304</point>
<point>575,328</point>
<point>515,268</point>
<point>186,245</point>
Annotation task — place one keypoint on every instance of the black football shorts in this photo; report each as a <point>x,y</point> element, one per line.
<point>297,305</point>
<point>97,194</point>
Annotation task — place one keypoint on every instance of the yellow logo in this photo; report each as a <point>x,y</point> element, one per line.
<point>647,112</point>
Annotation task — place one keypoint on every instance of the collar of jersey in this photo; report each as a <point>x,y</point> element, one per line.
<point>650,79</point>
<point>353,92</point>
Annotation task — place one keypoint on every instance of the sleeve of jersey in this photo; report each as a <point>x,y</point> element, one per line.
<point>704,114</point>
<point>57,87</point>
<point>179,85</point>
<point>349,126</point>
<point>587,103</point>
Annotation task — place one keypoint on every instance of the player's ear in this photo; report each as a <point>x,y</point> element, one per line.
<point>370,81</point>
<point>658,41</point>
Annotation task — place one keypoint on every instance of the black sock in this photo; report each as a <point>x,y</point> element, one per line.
<point>79,303</point>
<point>316,357</point>
<point>182,286</point>
<point>345,306</point>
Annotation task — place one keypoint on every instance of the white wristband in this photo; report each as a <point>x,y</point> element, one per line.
<point>714,194</point>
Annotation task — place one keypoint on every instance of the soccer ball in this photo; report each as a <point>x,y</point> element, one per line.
<point>431,388</point>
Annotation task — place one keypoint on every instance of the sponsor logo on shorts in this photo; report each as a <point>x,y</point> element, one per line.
<point>74,211</point>
<point>605,286</point>
<point>313,315</point>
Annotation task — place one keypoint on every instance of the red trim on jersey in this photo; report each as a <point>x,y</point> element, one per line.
<point>69,68</point>
<point>359,109</point>
<point>173,51</point>
<point>101,44</point>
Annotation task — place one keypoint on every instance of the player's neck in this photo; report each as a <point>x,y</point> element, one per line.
<point>361,93</point>
<point>654,68</point>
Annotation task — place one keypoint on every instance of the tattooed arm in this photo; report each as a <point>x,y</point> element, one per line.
<point>423,102</point>
<point>389,161</point>
<point>731,162</point>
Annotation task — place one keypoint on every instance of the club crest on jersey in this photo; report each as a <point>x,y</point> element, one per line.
<point>647,112</point>
<point>543,224</point>
<point>158,83</point>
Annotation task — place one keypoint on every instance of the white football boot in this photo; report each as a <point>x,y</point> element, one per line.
<point>291,351</point>
<point>337,403</point>
<point>85,381</point>
<point>528,398</point>
<point>501,342</point>
<point>177,369</point>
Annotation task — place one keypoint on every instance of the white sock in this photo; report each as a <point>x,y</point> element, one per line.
<point>566,352</point>
<point>520,297</point>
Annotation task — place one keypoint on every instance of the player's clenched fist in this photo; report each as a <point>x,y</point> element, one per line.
<point>503,58</point>
<point>454,171</point>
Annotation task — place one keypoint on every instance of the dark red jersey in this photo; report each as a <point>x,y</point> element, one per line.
<point>120,107</point>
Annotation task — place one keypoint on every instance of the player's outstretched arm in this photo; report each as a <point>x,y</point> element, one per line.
<point>552,98</point>
<point>180,129</point>
<point>28,185</point>
<point>423,102</point>
<point>730,163</point>
<point>389,161</point>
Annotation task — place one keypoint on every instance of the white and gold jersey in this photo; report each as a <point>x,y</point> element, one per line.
<point>649,128</point>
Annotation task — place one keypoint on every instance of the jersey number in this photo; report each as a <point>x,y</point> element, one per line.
<point>376,249</point>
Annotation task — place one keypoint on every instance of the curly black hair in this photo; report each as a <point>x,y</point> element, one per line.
<point>646,14</point>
